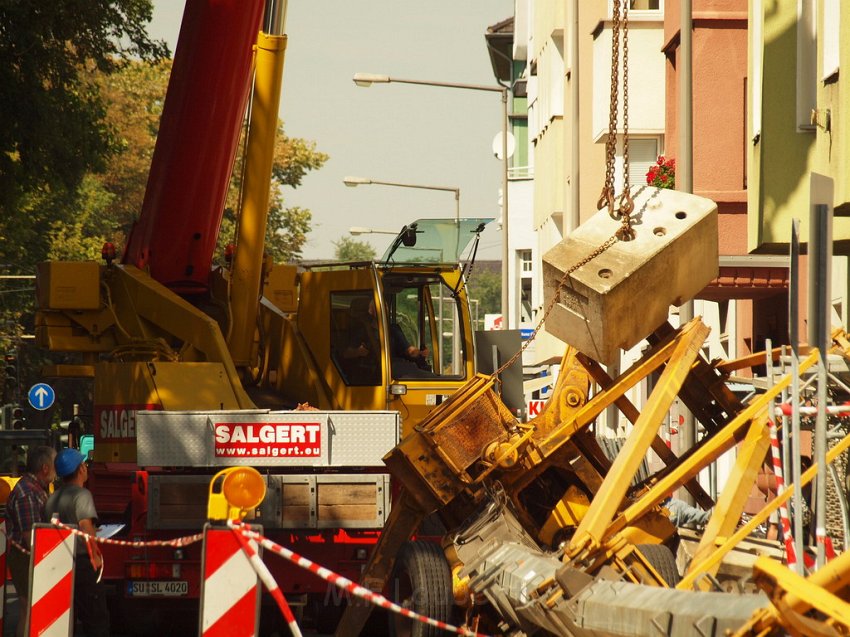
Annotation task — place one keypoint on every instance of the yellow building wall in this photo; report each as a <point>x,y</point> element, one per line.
<point>781,161</point>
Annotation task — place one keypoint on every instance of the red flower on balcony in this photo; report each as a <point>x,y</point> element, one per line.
<point>662,174</point>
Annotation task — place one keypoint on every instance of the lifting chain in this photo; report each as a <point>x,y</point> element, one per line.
<point>555,298</point>
<point>625,204</point>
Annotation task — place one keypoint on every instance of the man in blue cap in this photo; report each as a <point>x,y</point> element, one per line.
<point>73,503</point>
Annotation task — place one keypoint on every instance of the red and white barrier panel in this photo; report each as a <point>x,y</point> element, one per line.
<point>250,549</point>
<point>3,572</point>
<point>51,582</point>
<point>230,589</point>
<point>345,583</point>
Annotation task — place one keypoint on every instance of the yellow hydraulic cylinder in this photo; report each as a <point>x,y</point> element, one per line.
<point>246,275</point>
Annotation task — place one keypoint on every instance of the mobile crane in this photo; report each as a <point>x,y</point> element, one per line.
<point>177,349</point>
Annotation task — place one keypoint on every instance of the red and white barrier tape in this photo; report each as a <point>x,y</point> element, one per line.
<point>20,547</point>
<point>807,410</point>
<point>345,583</point>
<point>790,553</point>
<point>177,542</point>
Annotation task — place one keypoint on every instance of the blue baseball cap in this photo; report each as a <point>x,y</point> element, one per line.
<point>67,462</point>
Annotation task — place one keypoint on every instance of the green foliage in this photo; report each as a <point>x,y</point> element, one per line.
<point>486,287</point>
<point>348,249</point>
<point>52,112</point>
<point>83,88</point>
<point>82,236</point>
<point>287,228</point>
<point>134,99</point>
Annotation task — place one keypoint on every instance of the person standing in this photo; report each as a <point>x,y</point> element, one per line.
<point>24,508</point>
<point>73,503</point>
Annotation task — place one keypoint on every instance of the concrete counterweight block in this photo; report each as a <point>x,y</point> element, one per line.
<point>624,294</point>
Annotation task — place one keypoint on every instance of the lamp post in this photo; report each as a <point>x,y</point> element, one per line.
<point>367,79</point>
<point>358,230</point>
<point>353,182</point>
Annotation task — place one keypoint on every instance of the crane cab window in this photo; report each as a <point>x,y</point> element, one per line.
<point>425,329</point>
<point>355,338</point>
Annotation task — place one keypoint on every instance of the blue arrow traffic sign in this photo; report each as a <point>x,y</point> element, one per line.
<point>41,396</point>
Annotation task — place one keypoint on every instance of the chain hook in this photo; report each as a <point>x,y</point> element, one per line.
<point>606,199</point>
<point>626,205</point>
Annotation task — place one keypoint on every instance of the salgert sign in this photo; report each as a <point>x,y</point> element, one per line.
<point>268,440</point>
<point>117,423</point>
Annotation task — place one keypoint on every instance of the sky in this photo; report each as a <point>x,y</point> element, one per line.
<point>389,132</point>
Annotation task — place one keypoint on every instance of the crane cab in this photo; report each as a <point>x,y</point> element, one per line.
<point>390,334</point>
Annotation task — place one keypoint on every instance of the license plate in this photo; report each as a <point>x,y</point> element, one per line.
<point>156,588</point>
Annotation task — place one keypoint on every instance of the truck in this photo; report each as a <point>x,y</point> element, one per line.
<point>196,367</point>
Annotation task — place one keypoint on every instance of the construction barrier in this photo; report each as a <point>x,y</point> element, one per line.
<point>230,598</point>
<point>230,589</point>
<point>776,460</point>
<point>51,588</point>
<point>344,583</point>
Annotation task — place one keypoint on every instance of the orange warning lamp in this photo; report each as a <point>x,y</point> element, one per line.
<point>7,483</point>
<point>234,492</point>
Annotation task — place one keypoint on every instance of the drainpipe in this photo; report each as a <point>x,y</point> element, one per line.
<point>685,177</point>
<point>575,199</point>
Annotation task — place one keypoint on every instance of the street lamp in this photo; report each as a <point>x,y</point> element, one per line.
<point>367,79</point>
<point>353,182</point>
<point>358,230</point>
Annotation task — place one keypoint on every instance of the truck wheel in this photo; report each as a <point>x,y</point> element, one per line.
<point>422,582</point>
<point>662,560</point>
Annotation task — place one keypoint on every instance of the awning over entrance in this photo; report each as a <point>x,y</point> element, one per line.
<point>746,282</point>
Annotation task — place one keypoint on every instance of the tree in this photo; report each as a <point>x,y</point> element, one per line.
<point>486,287</point>
<point>348,249</point>
<point>108,201</point>
<point>53,129</point>
<point>287,228</point>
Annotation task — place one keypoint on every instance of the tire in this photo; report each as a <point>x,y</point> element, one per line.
<point>662,560</point>
<point>422,582</point>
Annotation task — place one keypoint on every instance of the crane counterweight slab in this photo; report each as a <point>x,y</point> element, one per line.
<point>614,300</point>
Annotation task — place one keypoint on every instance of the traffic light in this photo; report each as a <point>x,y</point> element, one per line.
<point>17,417</point>
<point>10,376</point>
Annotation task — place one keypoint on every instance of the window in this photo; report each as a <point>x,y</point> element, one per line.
<point>644,5</point>
<point>831,42</point>
<point>355,337</point>
<point>525,260</point>
<point>639,6</point>
<point>643,152</point>
<point>807,46</point>
<point>426,333</point>
<point>525,305</point>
